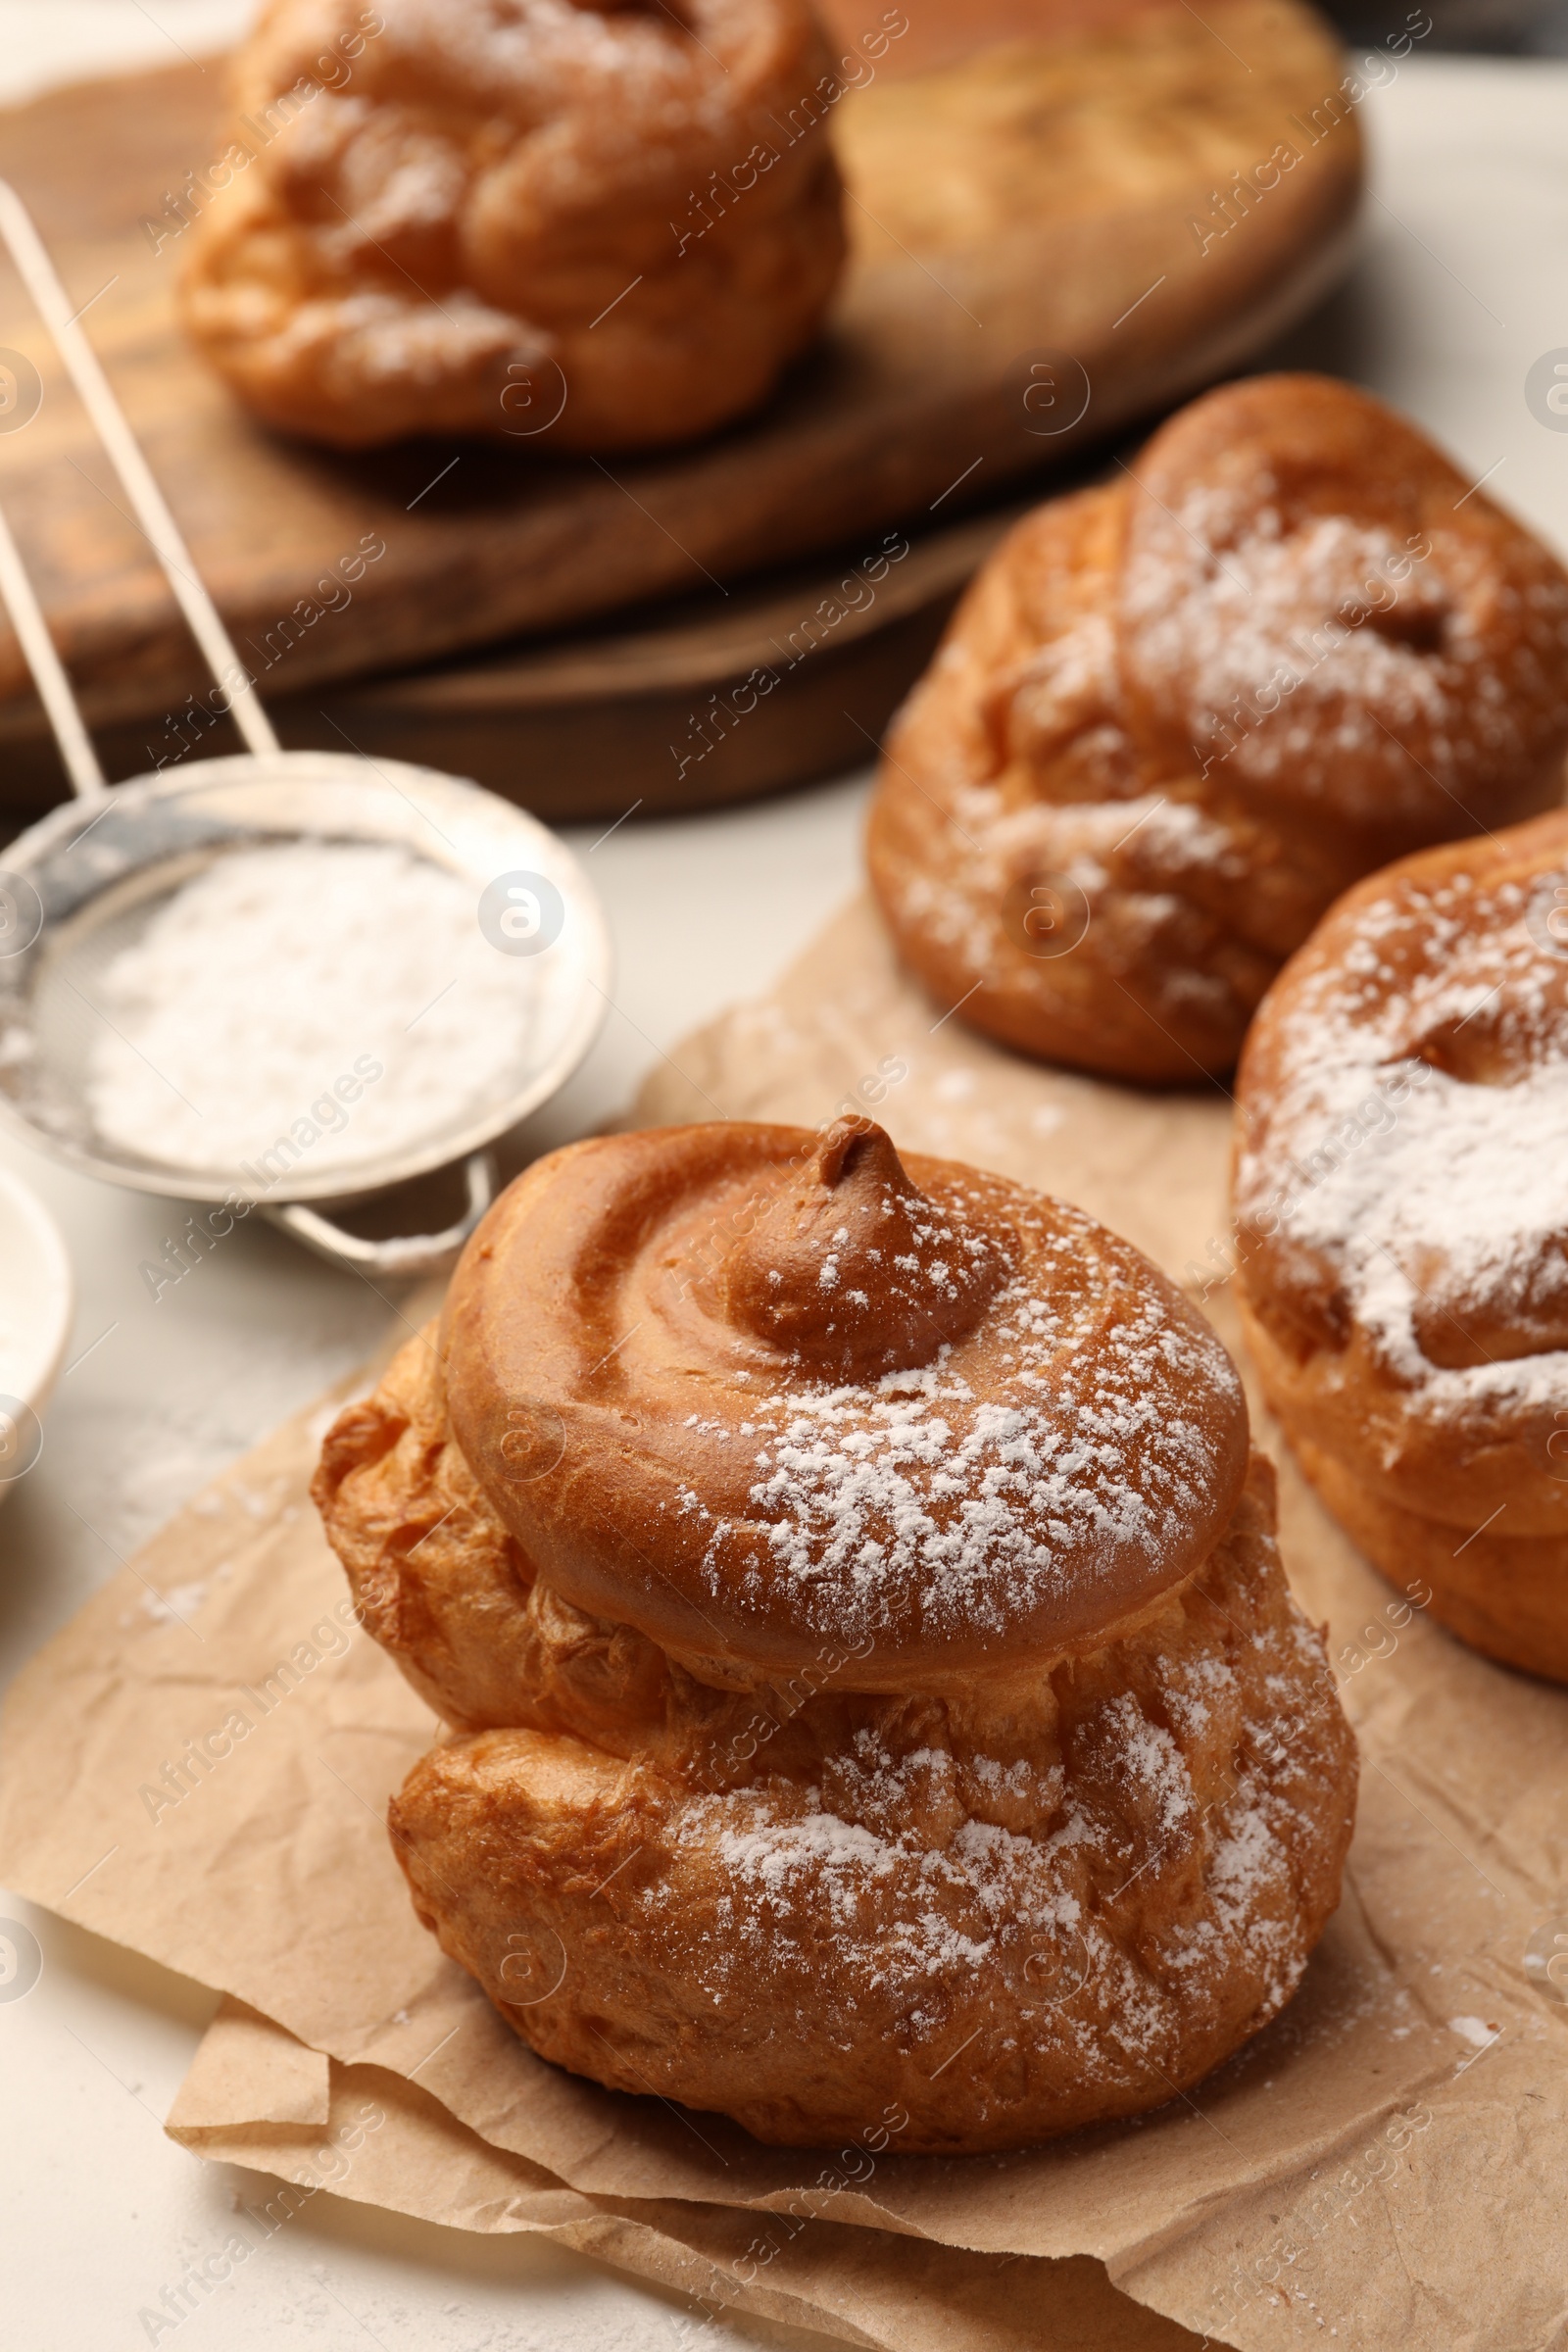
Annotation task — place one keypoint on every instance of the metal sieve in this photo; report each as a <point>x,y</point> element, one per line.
<point>83,883</point>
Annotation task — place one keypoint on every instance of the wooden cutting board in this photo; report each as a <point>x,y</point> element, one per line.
<point>672,709</point>
<point>1014,192</point>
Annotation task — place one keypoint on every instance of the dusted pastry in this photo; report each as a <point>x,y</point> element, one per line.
<point>1402,1227</point>
<point>874,1689</point>
<point>1175,717</point>
<point>500,217</point>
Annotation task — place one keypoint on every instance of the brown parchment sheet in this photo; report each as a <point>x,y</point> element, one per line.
<point>1383,2166</point>
<point>382,2140</point>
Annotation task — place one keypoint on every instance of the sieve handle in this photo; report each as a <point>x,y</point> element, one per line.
<point>409,1255</point>
<point>41,279</point>
<point>48,671</point>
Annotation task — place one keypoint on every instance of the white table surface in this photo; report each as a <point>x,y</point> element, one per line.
<point>1462,282</point>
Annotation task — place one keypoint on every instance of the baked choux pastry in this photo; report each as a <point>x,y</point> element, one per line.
<point>607,228</point>
<point>876,1703</point>
<point>1402,1227</point>
<point>1176,716</point>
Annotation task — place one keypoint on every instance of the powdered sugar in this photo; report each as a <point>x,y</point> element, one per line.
<point>1267,598</point>
<point>1133,860</point>
<point>278,972</point>
<point>1421,1135</point>
<point>897,1867</point>
<point>916,1505</point>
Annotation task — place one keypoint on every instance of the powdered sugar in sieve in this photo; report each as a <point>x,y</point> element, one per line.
<point>331,997</point>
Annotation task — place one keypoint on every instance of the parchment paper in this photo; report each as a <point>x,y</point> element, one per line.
<point>1385,2166</point>
<point>382,2140</point>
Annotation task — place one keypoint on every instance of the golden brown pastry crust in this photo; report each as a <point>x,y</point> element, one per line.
<point>1401,1230</point>
<point>1000,1914</point>
<point>992,1897</point>
<point>1175,717</point>
<point>1038,1446</point>
<point>1505,1594</point>
<point>488,216</point>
